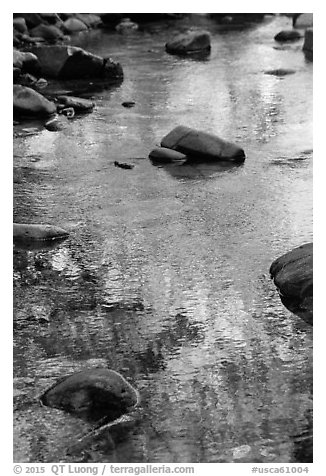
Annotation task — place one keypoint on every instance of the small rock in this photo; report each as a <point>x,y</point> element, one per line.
<point>280,72</point>
<point>69,112</point>
<point>191,42</point>
<point>126,25</point>
<point>288,35</point>
<point>128,104</point>
<point>123,165</point>
<point>162,154</point>
<point>79,104</point>
<point>58,123</point>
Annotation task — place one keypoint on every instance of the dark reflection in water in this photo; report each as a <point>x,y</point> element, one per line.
<point>164,276</point>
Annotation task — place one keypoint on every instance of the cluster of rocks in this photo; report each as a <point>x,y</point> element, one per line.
<point>35,28</point>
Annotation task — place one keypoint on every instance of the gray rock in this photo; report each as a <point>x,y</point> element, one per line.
<point>74,25</point>
<point>34,232</point>
<point>126,25</point>
<point>304,20</point>
<point>58,123</point>
<point>190,42</point>
<point>201,145</point>
<point>79,104</point>
<point>30,102</point>
<point>288,35</point>
<point>164,155</point>
<point>93,394</point>
<point>47,32</point>
<point>293,276</point>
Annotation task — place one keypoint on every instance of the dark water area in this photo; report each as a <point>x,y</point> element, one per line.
<point>164,277</point>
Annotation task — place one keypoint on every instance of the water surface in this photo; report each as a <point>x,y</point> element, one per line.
<point>164,277</point>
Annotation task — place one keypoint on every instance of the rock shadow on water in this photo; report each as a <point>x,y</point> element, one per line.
<point>196,170</point>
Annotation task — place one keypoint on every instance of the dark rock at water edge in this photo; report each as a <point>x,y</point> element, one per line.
<point>164,155</point>
<point>37,232</point>
<point>70,62</point>
<point>93,394</point>
<point>199,145</point>
<point>308,40</point>
<point>58,123</point>
<point>288,35</point>
<point>28,102</point>
<point>188,43</point>
<point>293,276</point>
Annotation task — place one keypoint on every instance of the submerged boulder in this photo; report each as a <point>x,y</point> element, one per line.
<point>190,42</point>
<point>32,232</point>
<point>93,394</point>
<point>20,24</point>
<point>293,276</point>
<point>31,103</point>
<point>71,62</point>
<point>288,35</point>
<point>201,145</point>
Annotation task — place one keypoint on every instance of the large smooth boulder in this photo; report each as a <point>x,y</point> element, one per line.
<point>293,276</point>
<point>308,40</point>
<point>304,20</point>
<point>24,232</point>
<point>31,103</point>
<point>288,35</point>
<point>190,42</point>
<point>74,25</point>
<point>93,394</point>
<point>201,145</point>
<point>48,32</point>
<point>71,62</point>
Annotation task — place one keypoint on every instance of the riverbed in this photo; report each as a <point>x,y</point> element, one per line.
<point>164,276</point>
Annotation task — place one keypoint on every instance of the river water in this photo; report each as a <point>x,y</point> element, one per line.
<point>164,277</point>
